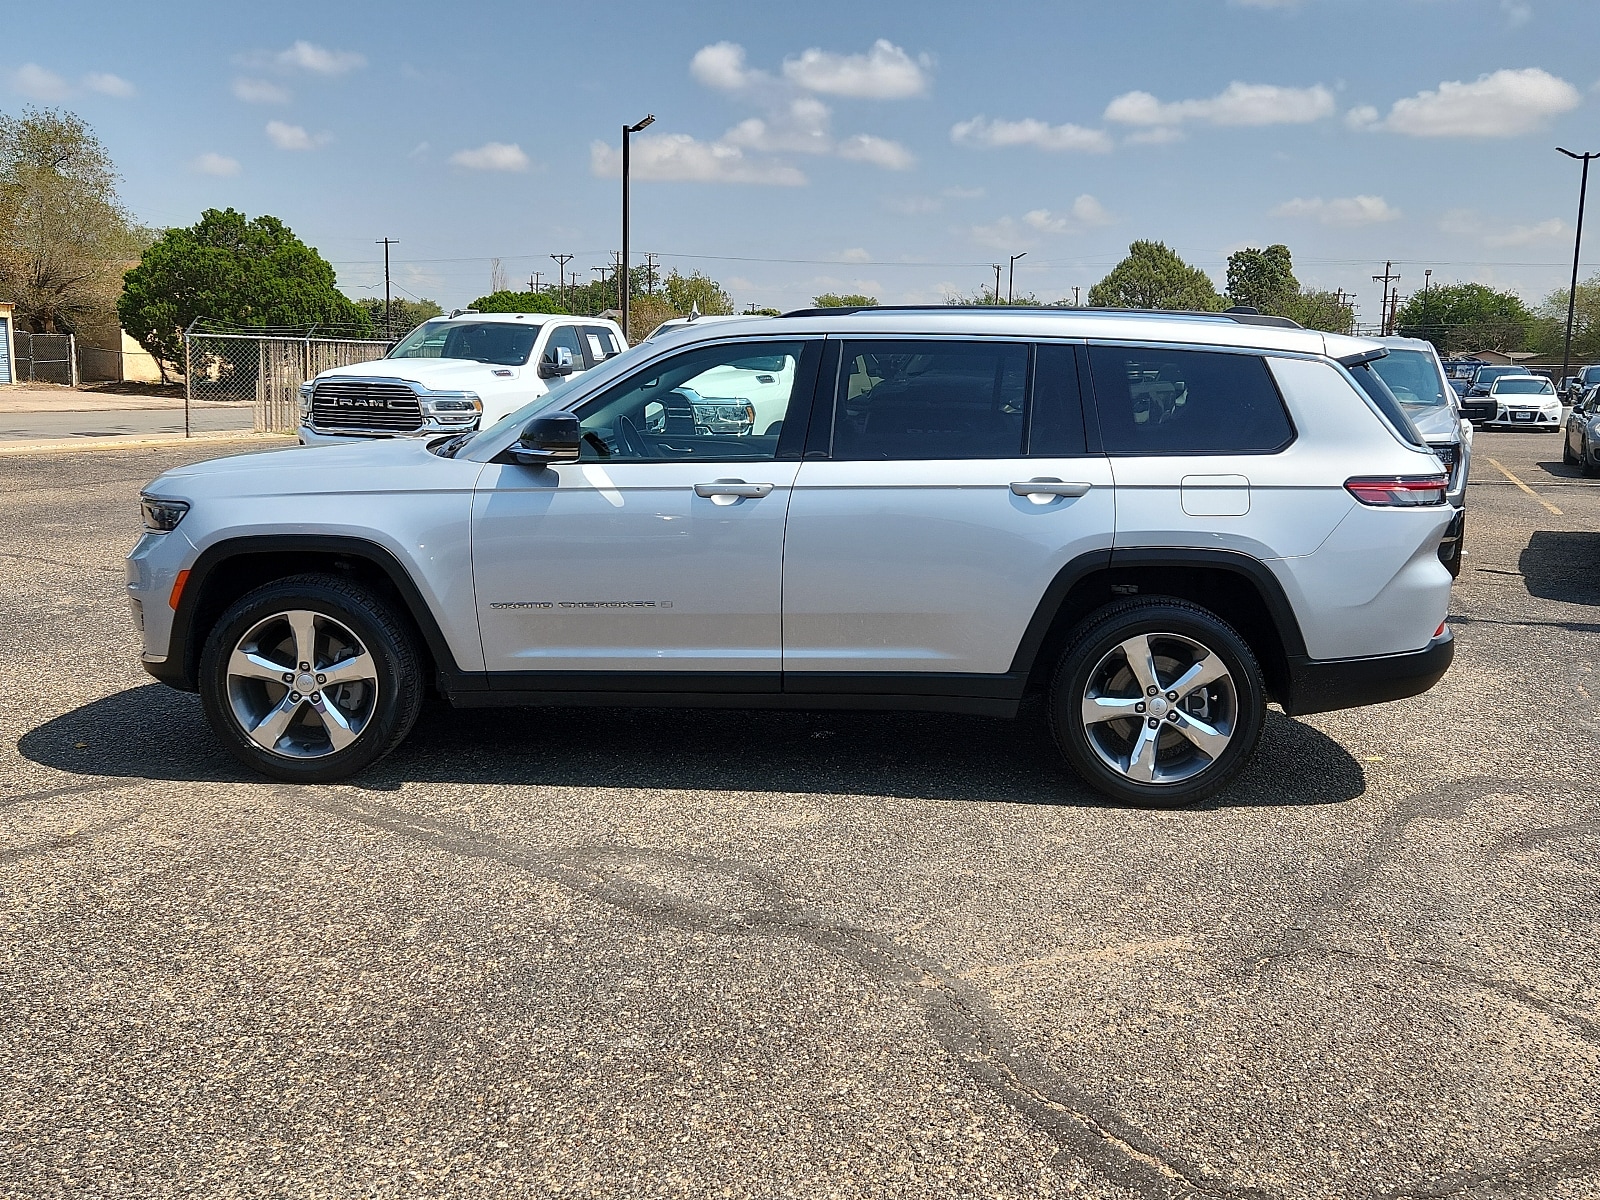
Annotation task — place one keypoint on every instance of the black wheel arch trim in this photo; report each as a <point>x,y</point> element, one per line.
<point>181,668</point>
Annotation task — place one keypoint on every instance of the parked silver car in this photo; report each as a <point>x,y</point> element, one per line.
<point>1581,438</point>
<point>1157,522</point>
<point>1417,377</point>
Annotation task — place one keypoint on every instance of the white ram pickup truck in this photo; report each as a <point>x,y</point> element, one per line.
<point>454,374</point>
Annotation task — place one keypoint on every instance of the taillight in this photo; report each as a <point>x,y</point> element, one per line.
<point>1398,491</point>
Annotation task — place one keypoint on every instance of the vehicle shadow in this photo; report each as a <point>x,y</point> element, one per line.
<point>907,755</point>
<point>1562,566</point>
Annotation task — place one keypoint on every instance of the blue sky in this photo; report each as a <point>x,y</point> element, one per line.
<point>893,148</point>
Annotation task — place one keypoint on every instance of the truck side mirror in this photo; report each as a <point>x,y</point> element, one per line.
<point>548,438</point>
<point>557,361</point>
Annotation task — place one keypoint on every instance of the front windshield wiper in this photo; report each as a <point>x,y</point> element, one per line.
<point>452,447</point>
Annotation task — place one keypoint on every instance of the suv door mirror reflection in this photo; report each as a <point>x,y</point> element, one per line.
<point>557,361</point>
<point>548,438</point>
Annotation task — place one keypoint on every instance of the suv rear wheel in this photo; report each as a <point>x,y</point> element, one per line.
<point>310,679</point>
<point>1157,702</point>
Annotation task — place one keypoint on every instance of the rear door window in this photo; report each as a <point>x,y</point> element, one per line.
<point>899,400</point>
<point>1152,400</point>
<point>599,344</point>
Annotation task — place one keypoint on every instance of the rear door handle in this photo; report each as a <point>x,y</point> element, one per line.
<point>731,491</point>
<point>1043,491</point>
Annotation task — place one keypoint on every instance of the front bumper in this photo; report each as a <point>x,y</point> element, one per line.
<point>1523,419</point>
<point>1324,685</point>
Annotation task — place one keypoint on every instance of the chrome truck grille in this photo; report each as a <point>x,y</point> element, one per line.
<point>363,405</point>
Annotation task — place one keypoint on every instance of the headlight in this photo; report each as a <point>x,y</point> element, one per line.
<point>161,516</point>
<point>306,390</point>
<point>453,406</point>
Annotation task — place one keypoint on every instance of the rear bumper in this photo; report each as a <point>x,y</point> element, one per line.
<point>1328,684</point>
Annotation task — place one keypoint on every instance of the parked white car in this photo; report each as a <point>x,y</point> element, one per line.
<point>454,373</point>
<point>1524,402</point>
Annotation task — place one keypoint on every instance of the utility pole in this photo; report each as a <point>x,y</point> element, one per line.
<point>1011,279</point>
<point>1075,290</point>
<point>1345,300</point>
<point>561,263</point>
<point>388,321</point>
<point>997,283</point>
<point>1386,279</point>
<point>616,273</point>
<point>533,281</point>
<point>1427,278</point>
<point>1577,247</point>
<point>650,273</point>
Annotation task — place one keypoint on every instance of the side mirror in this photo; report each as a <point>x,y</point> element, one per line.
<point>557,361</point>
<point>548,438</point>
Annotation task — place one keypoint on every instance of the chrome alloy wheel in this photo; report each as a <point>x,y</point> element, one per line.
<point>1159,708</point>
<point>301,685</point>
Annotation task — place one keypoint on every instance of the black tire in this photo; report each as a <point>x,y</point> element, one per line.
<point>387,715</point>
<point>1096,640</point>
<point>1567,456</point>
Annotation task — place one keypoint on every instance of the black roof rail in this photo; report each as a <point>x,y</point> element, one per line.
<point>1240,315</point>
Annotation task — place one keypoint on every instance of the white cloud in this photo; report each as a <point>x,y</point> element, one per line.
<point>1466,223</point>
<point>1008,234</point>
<point>1156,135</point>
<point>721,65</point>
<point>1346,211</point>
<point>677,157</point>
<point>1362,117</point>
<point>492,156</point>
<point>801,127</point>
<point>1516,13</point>
<point>1527,235</point>
<point>293,137</point>
<point>109,85</point>
<point>885,72</point>
<point>259,91</point>
<point>1505,103</point>
<point>855,254</point>
<point>37,83</point>
<point>987,134</point>
<point>215,164</point>
<point>1237,104</point>
<point>880,152</point>
<point>307,56</point>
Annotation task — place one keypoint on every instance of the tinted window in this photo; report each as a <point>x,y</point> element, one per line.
<point>1056,424</point>
<point>564,337</point>
<point>1411,376</point>
<point>718,403</point>
<point>600,343</point>
<point>1520,385</point>
<point>930,400</point>
<point>1157,401</point>
<point>1372,383</point>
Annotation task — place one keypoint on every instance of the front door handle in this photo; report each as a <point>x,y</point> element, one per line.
<point>1043,491</point>
<point>731,491</point>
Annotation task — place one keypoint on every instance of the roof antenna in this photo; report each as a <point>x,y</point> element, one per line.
<point>694,310</point>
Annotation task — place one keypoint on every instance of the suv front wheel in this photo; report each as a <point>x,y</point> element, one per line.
<point>310,679</point>
<point>1157,702</point>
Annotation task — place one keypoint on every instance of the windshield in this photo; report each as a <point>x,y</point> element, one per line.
<point>1490,374</point>
<point>1589,375</point>
<point>1517,385</point>
<point>1412,378</point>
<point>503,343</point>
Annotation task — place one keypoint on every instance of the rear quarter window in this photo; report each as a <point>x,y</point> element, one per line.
<point>1152,400</point>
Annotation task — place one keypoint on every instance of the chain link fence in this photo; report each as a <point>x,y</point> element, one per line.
<point>45,358</point>
<point>265,368</point>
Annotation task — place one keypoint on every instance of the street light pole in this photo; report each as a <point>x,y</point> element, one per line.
<point>627,130</point>
<point>1577,247</point>
<point>1011,279</point>
<point>388,322</point>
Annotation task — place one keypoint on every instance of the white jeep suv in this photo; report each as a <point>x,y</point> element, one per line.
<point>454,373</point>
<point>1158,521</point>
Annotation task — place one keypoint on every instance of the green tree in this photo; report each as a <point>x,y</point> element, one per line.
<point>834,300</point>
<point>231,270</point>
<point>1318,309</point>
<point>1550,323</point>
<point>688,292</point>
<point>1459,317</point>
<point>404,315</point>
<point>1263,279</point>
<point>986,295</point>
<point>548,301</point>
<point>64,236</point>
<point>1152,276</point>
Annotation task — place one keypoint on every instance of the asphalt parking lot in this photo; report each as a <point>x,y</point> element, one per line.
<point>670,953</point>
